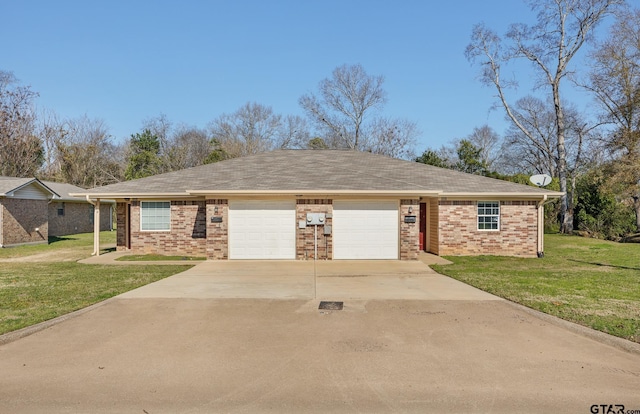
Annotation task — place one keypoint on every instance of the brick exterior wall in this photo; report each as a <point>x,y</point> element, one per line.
<point>20,218</point>
<point>77,218</point>
<point>218,233</point>
<point>409,232</point>
<point>305,248</point>
<point>121,227</point>
<point>433,226</point>
<point>459,234</point>
<point>452,230</point>
<point>187,235</point>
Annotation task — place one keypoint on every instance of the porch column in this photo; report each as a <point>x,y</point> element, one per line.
<point>541,227</point>
<point>96,227</point>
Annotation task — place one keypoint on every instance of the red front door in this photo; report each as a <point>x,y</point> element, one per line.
<point>423,226</point>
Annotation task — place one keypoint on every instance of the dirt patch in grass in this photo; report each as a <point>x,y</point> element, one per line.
<point>58,255</point>
<point>157,258</point>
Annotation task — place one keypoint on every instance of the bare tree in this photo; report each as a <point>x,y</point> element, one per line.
<point>391,137</point>
<point>51,130</point>
<point>294,133</point>
<point>344,102</point>
<point>346,113</point>
<point>487,140</point>
<point>86,154</point>
<point>614,80</point>
<point>179,146</point>
<point>536,152</point>
<point>21,151</point>
<point>562,28</point>
<point>449,153</point>
<point>188,147</point>
<point>162,128</point>
<point>255,128</point>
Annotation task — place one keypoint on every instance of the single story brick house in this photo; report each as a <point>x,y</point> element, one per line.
<point>325,204</point>
<point>24,211</point>
<point>72,215</point>
<point>32,210</point>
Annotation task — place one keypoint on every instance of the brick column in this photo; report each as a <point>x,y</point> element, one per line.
<point>409,232</point>
<point>218,231</point>
<point>121,227</point>
<point>305,237</point>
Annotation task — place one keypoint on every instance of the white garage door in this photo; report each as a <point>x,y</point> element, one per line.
<point>365,229</point>
<point>261,229</point>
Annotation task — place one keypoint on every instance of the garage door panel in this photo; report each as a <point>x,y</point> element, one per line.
<point>365,229</point>
<point>262,229</point>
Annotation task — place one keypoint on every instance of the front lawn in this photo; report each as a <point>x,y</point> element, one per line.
<point>41,282</point>
<point>592,282</point>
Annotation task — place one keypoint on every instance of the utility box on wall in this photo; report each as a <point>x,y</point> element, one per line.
<point>315,219</point>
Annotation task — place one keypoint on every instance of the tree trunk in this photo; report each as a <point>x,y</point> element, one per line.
<point>636,206</point>
<point>566,212</point>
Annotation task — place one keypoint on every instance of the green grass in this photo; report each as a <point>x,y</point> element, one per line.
<point>41,282</point>
<point>591,282</point>
<point>156,258</point>
<point>81,243</point>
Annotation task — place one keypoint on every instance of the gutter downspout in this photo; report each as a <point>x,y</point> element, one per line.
<point>96,225</point>
<point>540,208</point>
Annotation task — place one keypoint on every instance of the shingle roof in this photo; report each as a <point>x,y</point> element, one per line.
<point>64,190</point>
<point>10,184</point>
<point>315,171</point>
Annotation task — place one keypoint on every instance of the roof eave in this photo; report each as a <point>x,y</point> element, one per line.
<point>79,199</point>
<point>319,192</point>
<point>324,192</point>
<point>28,183</point>
<point>130,195</point>
<point>502,194</point>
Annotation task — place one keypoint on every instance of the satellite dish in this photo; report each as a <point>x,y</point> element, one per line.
<point>540,180</point>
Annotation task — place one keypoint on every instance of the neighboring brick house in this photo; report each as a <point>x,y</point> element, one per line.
<point>72,215</point>
<point>32,210</point>
<point>366,206</point>
<point>23,211</point>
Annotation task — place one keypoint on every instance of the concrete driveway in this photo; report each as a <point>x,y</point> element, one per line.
<point>146,352</point>
<point>331,280</point>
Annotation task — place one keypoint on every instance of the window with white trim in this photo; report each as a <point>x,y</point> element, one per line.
<point>155,215</point>
<point>488,215</point>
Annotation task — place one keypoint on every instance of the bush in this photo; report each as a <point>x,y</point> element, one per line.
<point>598,212</point>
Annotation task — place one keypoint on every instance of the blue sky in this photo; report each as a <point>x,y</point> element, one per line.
<point>127,61</point>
